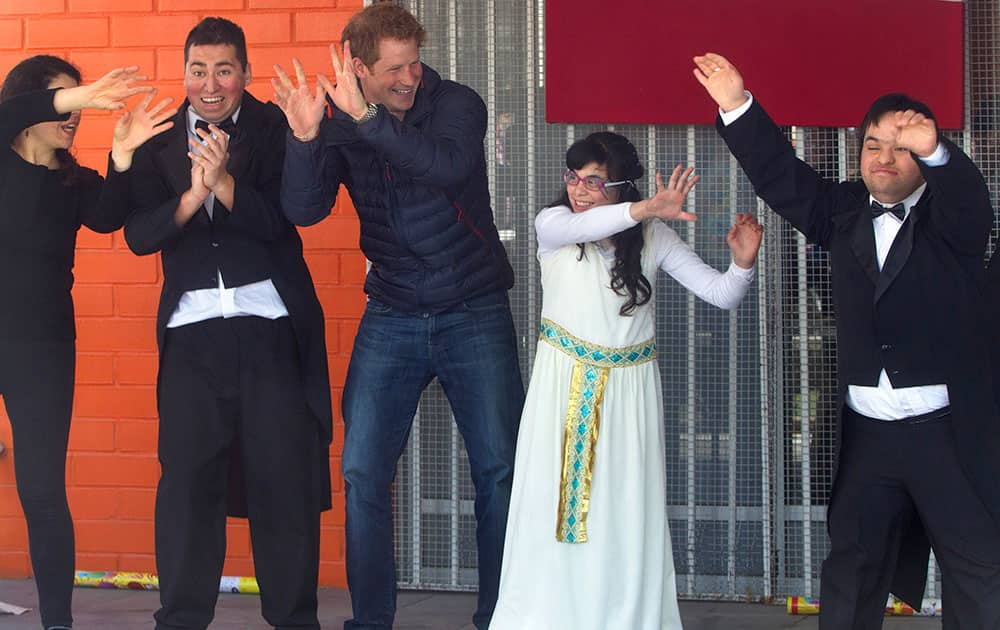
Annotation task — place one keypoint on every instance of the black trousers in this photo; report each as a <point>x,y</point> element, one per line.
<point>233,388</point>
<point>36,382</point>
<point>891,473</point>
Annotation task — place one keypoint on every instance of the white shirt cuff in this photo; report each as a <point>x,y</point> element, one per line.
<point>729,117</point>
<point>940,156</point>
<point>628,214</point>
<point>740,272</point>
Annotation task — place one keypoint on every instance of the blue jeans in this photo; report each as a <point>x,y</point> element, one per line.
<point>472,351</point>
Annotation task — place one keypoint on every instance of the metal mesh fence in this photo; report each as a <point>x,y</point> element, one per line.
<point>749,395</point>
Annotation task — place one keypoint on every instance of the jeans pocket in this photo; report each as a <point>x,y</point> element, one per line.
<point>489,303</point>
<point>377,307</point>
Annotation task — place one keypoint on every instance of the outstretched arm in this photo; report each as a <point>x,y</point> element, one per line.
<point>33,107</point>
<point>108,92</point>
<point>790,186</point>
<point>677,258</point>
<point>558,226</point>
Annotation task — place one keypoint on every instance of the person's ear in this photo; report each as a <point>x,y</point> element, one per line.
<point>360,69</point>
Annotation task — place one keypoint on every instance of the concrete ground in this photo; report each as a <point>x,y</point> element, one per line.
<point>100,609</point>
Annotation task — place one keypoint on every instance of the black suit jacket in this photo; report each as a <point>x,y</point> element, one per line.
<point>922,318</point>
<point>250,242</point>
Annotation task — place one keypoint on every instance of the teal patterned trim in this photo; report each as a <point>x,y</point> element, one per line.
<point>593,354</point>
<point>592,365</point>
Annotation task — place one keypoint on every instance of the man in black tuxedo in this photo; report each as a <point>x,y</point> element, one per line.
<point>243,390</point>
<point>918,439</point>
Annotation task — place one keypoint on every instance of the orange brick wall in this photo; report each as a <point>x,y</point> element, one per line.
<point>112,468</point>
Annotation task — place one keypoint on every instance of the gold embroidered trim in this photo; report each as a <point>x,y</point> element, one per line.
<point>583,422</point>
<point>593,364</point>
<point>593,354</point>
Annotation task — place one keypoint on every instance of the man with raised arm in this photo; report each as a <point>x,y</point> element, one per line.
<point>408,145</point>
<point>918,432</point>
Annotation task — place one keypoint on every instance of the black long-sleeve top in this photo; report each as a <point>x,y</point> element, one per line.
<point>40,212</point>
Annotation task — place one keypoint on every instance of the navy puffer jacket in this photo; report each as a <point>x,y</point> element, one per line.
<point>420,189</point>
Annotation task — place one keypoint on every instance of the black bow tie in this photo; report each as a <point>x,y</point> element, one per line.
<point>226,125</point>
<point>878,210</point>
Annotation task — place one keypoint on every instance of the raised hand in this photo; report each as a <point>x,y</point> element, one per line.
<point>303,107</point>
<point>721,80</point>
<point>137,126</point>
<point>108,92</point>
<point>668,202</point>
<point>914,131</point>
<point>346,94</point>
<point>744,239</point>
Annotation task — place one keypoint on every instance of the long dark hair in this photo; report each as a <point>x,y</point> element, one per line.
<point>619,157</point>
<point>35,73</point>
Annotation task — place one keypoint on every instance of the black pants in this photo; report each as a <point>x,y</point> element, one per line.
<point>36,381</point>
<point>233,388</point>
<point>891,473</point>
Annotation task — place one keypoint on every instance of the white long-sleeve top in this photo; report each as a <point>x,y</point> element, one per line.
<point>558,226</point>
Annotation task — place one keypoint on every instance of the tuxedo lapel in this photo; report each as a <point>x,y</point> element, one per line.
<point>171,154</point>
<point>240,144</point>
<point>172,158</point>
<point>862,243</point>
<point>901,249</point>
<point>898,254</point>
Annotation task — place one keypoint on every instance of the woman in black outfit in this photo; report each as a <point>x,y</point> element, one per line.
<point>45,196</point>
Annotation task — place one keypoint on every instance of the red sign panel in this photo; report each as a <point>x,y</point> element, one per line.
<point>810,62</point>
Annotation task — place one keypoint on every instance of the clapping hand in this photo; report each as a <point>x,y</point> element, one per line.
<point>192,198</point>
<point>744,239</point>
<point>212,156</point>
<point>199,191</point>
<point>721,80</point>
<point>668,202</point>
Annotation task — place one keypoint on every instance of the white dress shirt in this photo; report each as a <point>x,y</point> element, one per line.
<point>259,299</point>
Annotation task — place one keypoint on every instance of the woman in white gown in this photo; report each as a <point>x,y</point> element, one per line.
<point>587,544</point>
